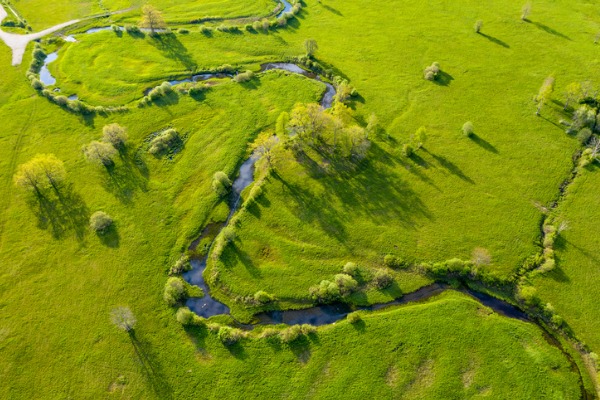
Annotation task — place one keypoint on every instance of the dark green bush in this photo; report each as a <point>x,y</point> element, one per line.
<point>354,317</point>
<point>229,336</point>
<point>392,261</point>
<point>221,183</point>
<point>185,316</point>
<point>263,297</point>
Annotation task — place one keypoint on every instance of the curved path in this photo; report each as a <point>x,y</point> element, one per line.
<point>18,43</point>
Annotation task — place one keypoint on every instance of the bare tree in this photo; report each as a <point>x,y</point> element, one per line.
<point>525,11</point>
<point>123,318</point>
<point>481,257</point>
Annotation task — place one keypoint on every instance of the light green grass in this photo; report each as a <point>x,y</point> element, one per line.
<point>572,287</point>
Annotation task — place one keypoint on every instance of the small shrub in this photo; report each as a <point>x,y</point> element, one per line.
<point>291,334</point>
<point>114,134</point>
<point>351,269</point>
<point>221,183</point>
<point>548,265</point>
<point>132,30</point>
<point>205,30</point>
<point>382,279</point>
<point>100,222</point>
<point>249,28</point>
<point>61,100</point>
<point>467,129</point>
<point>185,316</point>
<point>527,294</point>
<point>229,336</point>
<point>244,77</point>
<point>392,261</point>
<point>228,234</point>
<point>164,142</point>
<point>345,283</point>
<point>478,26</point>
<point>184,31</point>
<point>263,297</point>
<point>181,265</point>
<point>354,317</point>
<point>37,84</point>
<point>548,241</point>
<point>256,25</point>
<point>407,150</point>
<point>174,291</point>
<point>115,28</point>
<point>269,334</point>
<point>325,292</point>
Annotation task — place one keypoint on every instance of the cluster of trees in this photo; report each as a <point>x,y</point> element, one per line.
<point>114,139</point>
<point>332,131</point>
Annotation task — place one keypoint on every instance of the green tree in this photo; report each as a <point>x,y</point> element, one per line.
<point>281,124</point>
<point>221,183</point>
<point>99,153</point>
<point>310,47</point>
<point>263,147</point>
<point>152,19</point>
<point>100,222</point>
<point>544,94</point>
<point>478,25</point>
<point>419,138</point>
<point>525,11</point>
<point>42,171</point>
<point>572,93</point>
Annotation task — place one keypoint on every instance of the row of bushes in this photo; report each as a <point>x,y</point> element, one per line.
<point>158,92</point>
<point>264,24</point>
<point>165,142</point>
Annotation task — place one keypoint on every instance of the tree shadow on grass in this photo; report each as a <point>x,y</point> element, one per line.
<point>450,167</point>
<point>549,30</point>
<point>332,10</point>
<point>443,79</point>
<point>151,368</point>
<point>61,211</point>
<point>124,179</point>
<point>237,350</point>
<point>172,48</point>
<point>233,253</point>
<point>495,40</point>
<point>377,193</point>
<point>110,236</point>
<point>481,142</point>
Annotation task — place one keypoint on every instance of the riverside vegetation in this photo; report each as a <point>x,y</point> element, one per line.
<point>471,161</point>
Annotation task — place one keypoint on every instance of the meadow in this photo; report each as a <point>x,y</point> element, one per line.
<point>59,281</point>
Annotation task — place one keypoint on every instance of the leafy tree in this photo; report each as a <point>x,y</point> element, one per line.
<point>221,183</point>
<point>100,221</point>
<point>308,121</point>
<point>123,318</point>
<point>281,124</point>
<point>42,171</point>
<point>310,46</point>
<point>100,153</point>
<point>572,93</point>
<point>152,19</point>
<point>345,283</point>
<point>343,91</point>
<point>544,94</point>
<point>478,25</point>
<point>185,316</point>
<point>325,292</point>
<point>264,145</point>
<point>419,138</point>
<point>372,125</point>
<point>115,134</point>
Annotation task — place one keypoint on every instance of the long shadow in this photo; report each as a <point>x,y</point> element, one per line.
<point>61,211</point>
<point>233,252</point>
<point>443,79</point>
<point>172,48</point>
<point>151,368</point>
<point>124,179</point>
<point>549,30</point>
<point>495,40</point>
<point>451,167</point>
<point>379,194</point>
<point>332,10</point>
<point>483,143</point>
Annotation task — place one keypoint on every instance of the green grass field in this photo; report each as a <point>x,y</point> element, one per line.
<point>59,281</point>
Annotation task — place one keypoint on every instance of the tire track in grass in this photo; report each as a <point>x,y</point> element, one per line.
<point>11,169</point>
